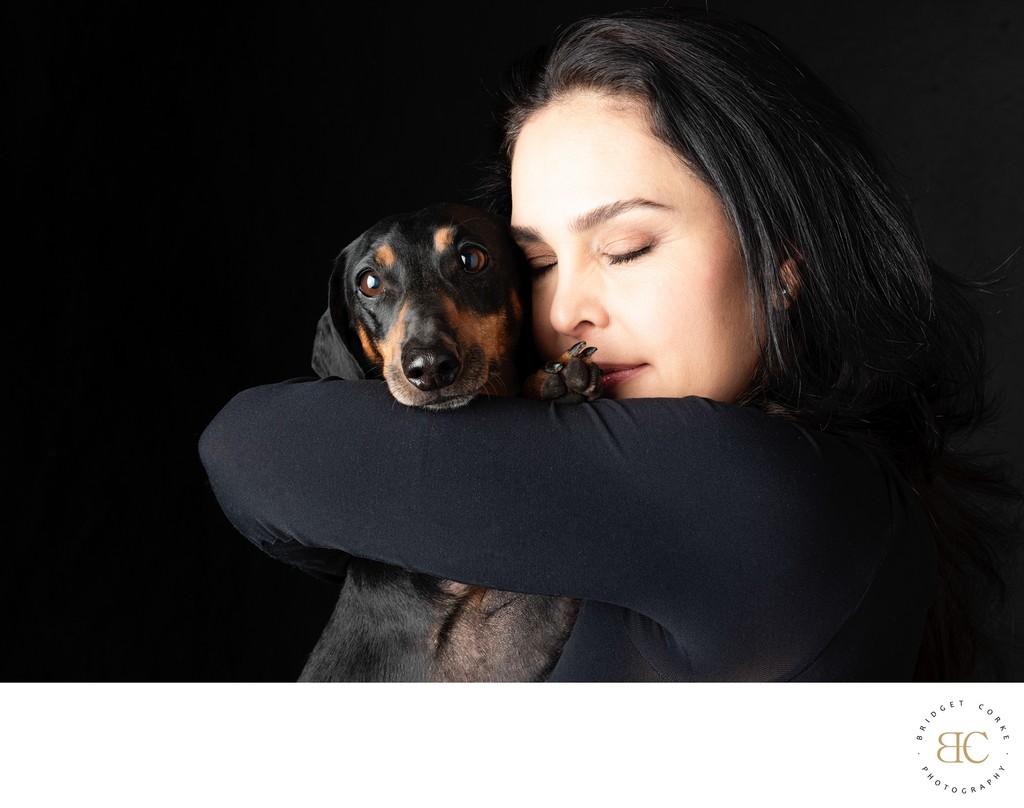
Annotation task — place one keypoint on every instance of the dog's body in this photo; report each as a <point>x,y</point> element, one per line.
<point>434,302</point>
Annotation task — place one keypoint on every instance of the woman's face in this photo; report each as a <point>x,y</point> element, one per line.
<point>631,253</point>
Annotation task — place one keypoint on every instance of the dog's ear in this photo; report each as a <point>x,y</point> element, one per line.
<point>336,348</point>
<point>331,357</point>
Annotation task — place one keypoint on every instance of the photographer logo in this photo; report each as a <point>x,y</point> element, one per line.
<point>963,747</point>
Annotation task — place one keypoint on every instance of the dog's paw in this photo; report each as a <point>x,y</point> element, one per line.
<point>571,379</point>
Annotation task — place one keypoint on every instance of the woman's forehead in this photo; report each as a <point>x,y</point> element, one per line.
<point>576,156</point>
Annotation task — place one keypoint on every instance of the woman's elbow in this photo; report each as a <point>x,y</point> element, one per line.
<point>226,451</point>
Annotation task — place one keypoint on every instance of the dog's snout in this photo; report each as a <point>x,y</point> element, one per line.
<point>430,368</point>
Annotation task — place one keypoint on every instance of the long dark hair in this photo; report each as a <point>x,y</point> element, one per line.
<point>878,341</point>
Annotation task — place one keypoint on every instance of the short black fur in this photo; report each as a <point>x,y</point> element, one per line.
<point>433,302</point>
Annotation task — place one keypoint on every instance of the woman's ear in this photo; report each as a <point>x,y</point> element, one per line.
<point>789,280</point>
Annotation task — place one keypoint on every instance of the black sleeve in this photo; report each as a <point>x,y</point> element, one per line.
<point>675,508</point>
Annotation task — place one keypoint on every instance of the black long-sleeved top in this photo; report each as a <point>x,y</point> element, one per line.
<point>707,541</point>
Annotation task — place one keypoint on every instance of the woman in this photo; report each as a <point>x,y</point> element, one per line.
<point>768,489</point>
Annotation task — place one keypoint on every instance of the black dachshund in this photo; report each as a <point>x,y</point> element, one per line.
<point>434,303</point>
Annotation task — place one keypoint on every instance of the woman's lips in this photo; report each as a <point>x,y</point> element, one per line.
<point>612,375</point>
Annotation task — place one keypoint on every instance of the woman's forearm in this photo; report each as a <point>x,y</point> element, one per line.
<point>641,502</point>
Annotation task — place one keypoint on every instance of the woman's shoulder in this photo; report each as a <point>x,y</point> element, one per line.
<point>764,465</point>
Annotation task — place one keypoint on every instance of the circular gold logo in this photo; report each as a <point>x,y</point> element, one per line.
<point>963,747</point>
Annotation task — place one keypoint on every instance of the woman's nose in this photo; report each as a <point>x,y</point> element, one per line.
<point>578,302</point>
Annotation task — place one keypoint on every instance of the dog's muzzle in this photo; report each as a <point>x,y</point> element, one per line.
<point>430,367</point>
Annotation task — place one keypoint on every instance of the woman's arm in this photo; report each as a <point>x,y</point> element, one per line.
<point>659,505</point>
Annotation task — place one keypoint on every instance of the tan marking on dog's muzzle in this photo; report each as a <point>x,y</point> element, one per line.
<point>495,335</point>
<point>369,345</point>
<point>517,308</point>
<point>390,348</point>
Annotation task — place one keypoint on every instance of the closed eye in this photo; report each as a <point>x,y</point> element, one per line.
<point>538,269</point>
<point>632,255</point>
<point>540,262</point>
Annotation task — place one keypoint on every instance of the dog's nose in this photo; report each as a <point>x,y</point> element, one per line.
<point>430,368</point>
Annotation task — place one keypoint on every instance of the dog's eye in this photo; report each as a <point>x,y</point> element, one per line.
<point>370,283</point>
<point>474,258</point>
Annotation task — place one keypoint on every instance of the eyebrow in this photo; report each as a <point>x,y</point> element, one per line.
<point>590,219</point>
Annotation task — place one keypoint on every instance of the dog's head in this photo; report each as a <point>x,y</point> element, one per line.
<point>431,301</point>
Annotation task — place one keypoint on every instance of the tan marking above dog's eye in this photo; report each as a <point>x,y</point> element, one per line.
<point>444,237</point>
<point>370,283</point>
<point>474,258</point>
<point>384,255</point>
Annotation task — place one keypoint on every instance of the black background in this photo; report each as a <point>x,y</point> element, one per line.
<point>182,178</point>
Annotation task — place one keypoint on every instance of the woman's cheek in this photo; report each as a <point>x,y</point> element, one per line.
<point>544,335</point>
